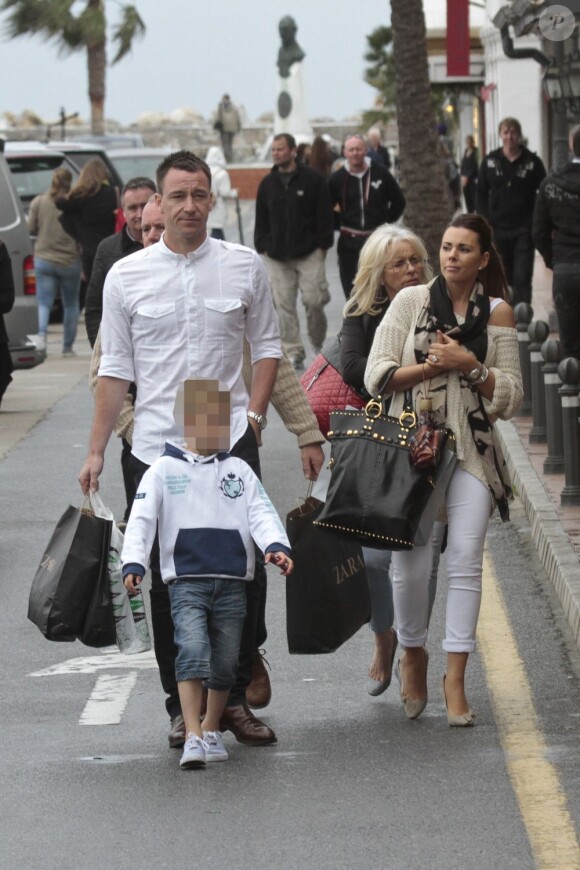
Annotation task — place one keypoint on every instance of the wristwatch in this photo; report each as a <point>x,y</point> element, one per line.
<point>474,375</point>
<point>259,418</point>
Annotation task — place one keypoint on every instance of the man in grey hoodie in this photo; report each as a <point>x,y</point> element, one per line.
<point>556,233</point>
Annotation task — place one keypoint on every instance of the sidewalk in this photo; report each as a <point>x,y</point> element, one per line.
<point>555,529</point>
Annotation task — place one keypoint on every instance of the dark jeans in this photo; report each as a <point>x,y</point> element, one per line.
<point>566,293</point>
<point>254,633</point>
<point>348,250</point>
<point>516,249</point>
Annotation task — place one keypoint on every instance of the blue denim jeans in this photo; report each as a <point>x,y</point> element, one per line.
<point>208,616</point>
<point>67,279</point>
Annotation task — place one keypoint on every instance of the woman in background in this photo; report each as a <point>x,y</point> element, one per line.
<point>89,211</point>
<point>57,261</point>
<point>392,258</point>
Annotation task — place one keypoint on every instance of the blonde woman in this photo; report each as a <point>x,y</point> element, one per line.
<point>89,211</point>
<point>392,258</point>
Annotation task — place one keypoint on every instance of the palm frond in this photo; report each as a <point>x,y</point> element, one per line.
<point>131,27</point>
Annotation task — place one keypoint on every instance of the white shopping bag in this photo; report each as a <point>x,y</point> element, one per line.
<point>130,618</point>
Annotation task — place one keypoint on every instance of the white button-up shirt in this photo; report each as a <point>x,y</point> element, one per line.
<point>168,317</point>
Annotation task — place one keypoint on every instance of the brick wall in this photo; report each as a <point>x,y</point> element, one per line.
<point>247,178</point>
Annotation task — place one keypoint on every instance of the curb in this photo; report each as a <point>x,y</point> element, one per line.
<point>557,555</point>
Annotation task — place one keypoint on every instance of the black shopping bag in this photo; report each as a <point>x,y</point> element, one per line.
<point>99,628</point>
<point>68,575</point>
<point>327,595</point>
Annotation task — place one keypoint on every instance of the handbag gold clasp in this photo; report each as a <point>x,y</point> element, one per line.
<point>408,420</point>
<point>374,408</point>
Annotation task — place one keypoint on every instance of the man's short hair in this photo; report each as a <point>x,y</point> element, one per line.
<point>510,122</point>
<point>186,160</point>
<point>575,140</point>
<point>358,136</point>
<point>137,183</point>
<point>287,137</point>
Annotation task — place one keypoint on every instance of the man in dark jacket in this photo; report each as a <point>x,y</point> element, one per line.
<point>556,233</point>
<point>293,231</point>
<point>365,195</point>
<point>506,192</point>
<point>134,196</point>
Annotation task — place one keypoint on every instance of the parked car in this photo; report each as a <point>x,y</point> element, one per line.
<point>32,164</point>
<point>22,321</point>
<point>133,162</point>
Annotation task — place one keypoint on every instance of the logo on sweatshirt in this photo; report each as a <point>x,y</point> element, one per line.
<point>232,486</point>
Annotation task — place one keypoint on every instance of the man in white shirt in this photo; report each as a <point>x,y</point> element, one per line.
<point>179,309</point>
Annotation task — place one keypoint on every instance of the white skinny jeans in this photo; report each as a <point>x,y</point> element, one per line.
<point>469,507</point>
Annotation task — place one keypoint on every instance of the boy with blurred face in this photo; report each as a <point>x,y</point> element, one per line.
<point>207,563</point>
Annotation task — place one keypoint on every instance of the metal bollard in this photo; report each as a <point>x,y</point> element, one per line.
<point>551,351</point>
<point>523,314</point>
<point>569,372</point>
<point>538,331</point>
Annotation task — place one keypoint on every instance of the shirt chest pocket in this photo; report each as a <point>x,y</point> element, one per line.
<point>224,318</point>
<point>156,323</point>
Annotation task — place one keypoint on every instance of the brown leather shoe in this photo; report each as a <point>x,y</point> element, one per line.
<point>176,736</point>
<point>245,727</point>
<point>259,692</point>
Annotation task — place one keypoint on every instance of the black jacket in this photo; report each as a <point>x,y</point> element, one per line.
<point>556,226</point>
<point>506,189</point>
<point>89,219</point>
<point>6,289</point>
<point>293,222</point>
<point>378,193</point>
<point>357,335</point>
<point>109,251</point>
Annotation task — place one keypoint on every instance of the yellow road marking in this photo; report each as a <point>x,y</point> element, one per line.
<point>535,782</point>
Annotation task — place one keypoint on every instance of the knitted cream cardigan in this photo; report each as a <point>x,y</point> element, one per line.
<point>394,345</point>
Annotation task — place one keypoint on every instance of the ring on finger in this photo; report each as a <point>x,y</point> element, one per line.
<point>434,358</point>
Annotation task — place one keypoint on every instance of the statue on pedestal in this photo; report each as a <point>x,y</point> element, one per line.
<point>291,114</point>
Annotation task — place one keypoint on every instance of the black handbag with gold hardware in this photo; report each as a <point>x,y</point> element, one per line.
<point>375,494</point>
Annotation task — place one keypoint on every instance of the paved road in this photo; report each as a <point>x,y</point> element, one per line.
<point>351,783</point>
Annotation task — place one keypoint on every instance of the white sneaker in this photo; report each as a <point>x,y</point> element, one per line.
<point>214,746</point>
<point>193,752</point>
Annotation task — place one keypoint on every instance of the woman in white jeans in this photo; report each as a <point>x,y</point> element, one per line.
<point>455,341</point>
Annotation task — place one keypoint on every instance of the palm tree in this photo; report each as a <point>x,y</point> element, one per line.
<point>85,30</point>
<point>427,211</point>
<point>380,75</point>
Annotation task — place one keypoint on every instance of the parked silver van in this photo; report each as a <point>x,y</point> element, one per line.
<point>22,321</point>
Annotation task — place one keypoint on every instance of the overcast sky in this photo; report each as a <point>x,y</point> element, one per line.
<point>194,52</point>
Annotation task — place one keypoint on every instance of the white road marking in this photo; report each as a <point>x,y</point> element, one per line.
<point>108,699</point>
<point>104,661</point>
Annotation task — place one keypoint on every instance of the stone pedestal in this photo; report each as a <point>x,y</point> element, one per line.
<point>291,116</point>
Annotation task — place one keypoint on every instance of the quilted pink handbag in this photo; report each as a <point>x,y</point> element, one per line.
<point>326,391</point>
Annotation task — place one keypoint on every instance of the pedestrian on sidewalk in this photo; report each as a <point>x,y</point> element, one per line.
<point>89,211</point>
<point>392,258</point>
<point>207,562</point>
<point>57,261</point>
<point>209,272</point>
<point>227,122</point>
<point>507,184</point>
<point>364,195</point>
<point>455,340</point>
<point>221,191</point>
<point>556,232</point>
<point>293,231</point>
